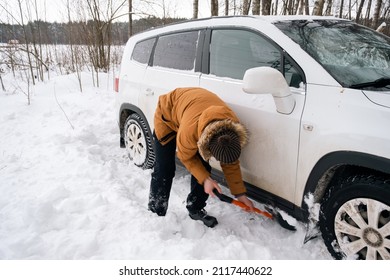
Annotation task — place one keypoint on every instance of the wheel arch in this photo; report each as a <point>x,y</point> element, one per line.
<point>336,165</point>
<point>125,111</point>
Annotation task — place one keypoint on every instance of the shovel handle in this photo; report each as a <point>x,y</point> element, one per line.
<point>257,210</point>
<point>240,204</point>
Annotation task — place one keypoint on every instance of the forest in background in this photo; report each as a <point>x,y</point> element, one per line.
<point>72,32</point>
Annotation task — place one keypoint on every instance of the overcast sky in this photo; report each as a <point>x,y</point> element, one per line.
<point>55,10</point>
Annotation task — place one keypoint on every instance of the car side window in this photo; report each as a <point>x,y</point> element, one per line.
<point>292,74</point>
<point>177,51</point>
<point>142,51</point>
<point>232,52</point>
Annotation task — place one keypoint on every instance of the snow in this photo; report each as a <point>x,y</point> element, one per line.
<point>68,191</point>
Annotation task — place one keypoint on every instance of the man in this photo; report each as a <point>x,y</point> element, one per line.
<point>199,125</point>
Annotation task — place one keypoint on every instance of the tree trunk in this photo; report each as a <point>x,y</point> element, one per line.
<point>377,11</point>
<point>301,7</point>
<point>226,7</point>
<point>266,7</point>
<point>359,11</point>
<point>130,18</point>
<point>38,49</point>
<point>350,9</point>
<point>27,44</point>
<point>307,11</point>
<point>246,4</point>
<point>214,8</point>
<point>341,9</point>
<point>290,7</point>
<point>195,8</point>
<point>318,7</point>
<point>256,7</point>
<point>76,64</point>
<point>329,8</point>
<point>368,12</point>
<point>275,12</point>
<point>2,85</point>
<point>296,6</point>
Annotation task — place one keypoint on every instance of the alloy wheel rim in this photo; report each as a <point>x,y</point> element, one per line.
<point>362,228</point>
<point>135,144</point>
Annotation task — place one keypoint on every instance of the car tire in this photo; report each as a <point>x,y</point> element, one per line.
<point>138,142</point>
<point>354,218</point>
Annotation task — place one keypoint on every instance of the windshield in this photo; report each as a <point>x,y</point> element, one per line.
<point>356,56</point>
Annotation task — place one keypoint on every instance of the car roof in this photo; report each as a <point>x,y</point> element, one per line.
<point>269,19</point>
<point>265,24</point>
<point>232,20</point>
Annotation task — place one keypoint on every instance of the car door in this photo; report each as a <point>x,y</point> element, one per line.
<point>269,161</point>
<point>172,66</point>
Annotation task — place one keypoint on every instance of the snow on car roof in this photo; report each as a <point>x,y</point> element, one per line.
<point>230,19</point>
<point>295,17</point>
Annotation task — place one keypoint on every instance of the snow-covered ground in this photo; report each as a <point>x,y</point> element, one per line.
<point>69,192</point>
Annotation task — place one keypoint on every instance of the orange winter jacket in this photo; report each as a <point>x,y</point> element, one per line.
<point>184,113</point>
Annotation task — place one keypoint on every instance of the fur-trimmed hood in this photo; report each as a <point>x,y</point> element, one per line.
<point>216,127</point>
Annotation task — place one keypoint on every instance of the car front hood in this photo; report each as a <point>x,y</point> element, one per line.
<point>378,97</point>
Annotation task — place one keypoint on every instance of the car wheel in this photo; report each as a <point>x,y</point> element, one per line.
<point>355,220</point>
<point>138,142</point>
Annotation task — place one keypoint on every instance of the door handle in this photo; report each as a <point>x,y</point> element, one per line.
<point>149,92</point>
<point>308,127</point>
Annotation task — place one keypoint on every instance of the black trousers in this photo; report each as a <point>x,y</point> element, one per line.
<point>162,177</point>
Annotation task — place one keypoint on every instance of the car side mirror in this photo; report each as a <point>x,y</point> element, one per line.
<point>263,80</point>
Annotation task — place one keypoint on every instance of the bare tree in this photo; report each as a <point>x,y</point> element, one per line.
<point>226,7</point>
<point>341,9</point>
<point>350,6</point>
<point>359,10</point>
<point>368,12</point>
<point>296,6</point>
<point>328,9</point>
<point>377,11</point>
<point>214,7</point>
<point>276,7</point>
<point>97,28</point>
<point>307,11</point>
<point>1,79</point>
<point>256,7</point>
<point>27,43</point>
<point>195,9</point>
<point>301,7</point>
<point>37,45</point>
<point>266,7</point>
<point>246,4</point>
<point>74,54</point>
<point>130,17</point>
<point>318,7</point>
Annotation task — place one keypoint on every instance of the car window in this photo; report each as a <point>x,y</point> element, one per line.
<point>351,53</point>
<point>142,51</point>
<point>292,74</point>
<point>232,52</point>
<point>176,51</point>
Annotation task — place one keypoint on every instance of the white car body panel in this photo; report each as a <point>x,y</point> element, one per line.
<point>268,160</point>
<point>162,81</point>
<point>341,120</point>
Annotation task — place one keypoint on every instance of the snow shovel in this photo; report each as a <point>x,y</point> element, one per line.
<point>276,216</point>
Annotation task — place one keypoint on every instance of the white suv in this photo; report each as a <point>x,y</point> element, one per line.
<point>313,92</point>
